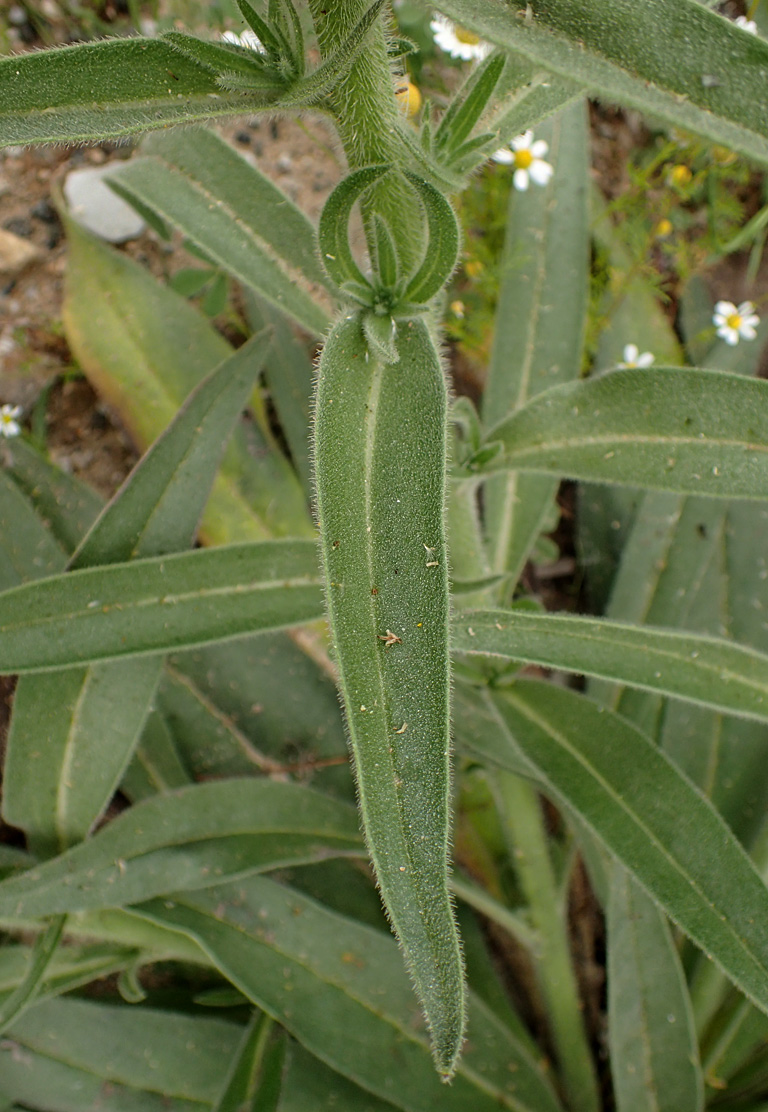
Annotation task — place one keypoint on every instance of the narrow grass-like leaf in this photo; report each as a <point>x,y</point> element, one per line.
<point>72,1055</point>
<point>710,671</point>
<point>67,747</point>
<point>224,59</point>
<point>145,349</point>
<point>288,374</point>
<point>28,550</point>
<point>668,60</point>
<point>692,431</point>
<point>654,1056</point>
<point>41,954</point>
<point>191,838</point>
<point>109,89</point>
<point>340,989</point>
<point>66,504</point>
<point>255,1075</point>
<point>544,271</point>
<point>650,817</point>
<point>261,704</point>
<point>379,470</point>
<point>158,604</point>
<point>243,222</point>
<point>470,102</point>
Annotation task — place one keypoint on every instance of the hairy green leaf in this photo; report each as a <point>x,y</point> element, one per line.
<point>190,838</point>
<point>651,1036</point>
<point>539,325</point>
<point>693,431</point>
<point>340,989</point>
<point>158,604</point>
<point>710,671</point>
<point>107,89</point>
<point>244,223</point>
<point>681,62</point>
<point>650,817</point>
<point>379,472</point>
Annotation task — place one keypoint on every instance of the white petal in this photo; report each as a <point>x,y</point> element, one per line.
<point>520,180</point>
<point>752,320</point>
<point>645,359</point>
<point>522,142</point>
<point>540,171</point>
<point>539,148</point>
<point>504,154</point>
<point>747,331</point>
<point>725,308</point>
<point>746,308</point>
<point>631,352</point>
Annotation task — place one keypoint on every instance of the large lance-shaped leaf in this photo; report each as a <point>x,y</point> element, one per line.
<point>693,431</point>
<point>544,272</point>
<point>158,604</point>
<point>651,817</point>
<point>340,988</point>
<point>145,349</point>
<point>67,746</point>
<point>380,450</point>
<point>73,1055</point>
<point>191,838</point>
<point>679,62</point>
<point>710,671</point>
<point>651,1035</point>
<point>108,89</point>
<point>197,182</point>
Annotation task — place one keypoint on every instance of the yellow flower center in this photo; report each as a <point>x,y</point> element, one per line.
<point>523,159</point>
<point>468,37</point>
<point>734,321</point>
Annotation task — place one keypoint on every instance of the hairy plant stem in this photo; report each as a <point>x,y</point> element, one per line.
<point>368,120</point>
<point>523,825</point>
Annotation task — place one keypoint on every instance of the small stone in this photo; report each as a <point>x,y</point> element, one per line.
<point>45,211</point>
<point>19,226</point>
<point>15,254</point>
<point>244,138</point>
<point>93,204</point>
<point>285,163</point>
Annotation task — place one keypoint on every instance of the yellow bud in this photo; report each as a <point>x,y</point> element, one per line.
<point>457,308</point>
<point>663,228</point>
<point>680,175</point>
<point>473,267</point>
<point>409,99</point>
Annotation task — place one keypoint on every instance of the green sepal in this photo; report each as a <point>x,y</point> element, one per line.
<point>381,335</point>
<point>289,27</point>
<point>274,44</point>
<point>470,103</point>
<point>442,245</point>
<point>387,263</point>
<point>222,59</point>
<point>333,232</point>
<point>401,47</point>
<point>310,90</point>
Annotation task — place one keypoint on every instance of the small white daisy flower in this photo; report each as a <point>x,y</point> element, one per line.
<point>456,41</point>
<point>527,157</point>
<point>633,358</point>
<point>249,39</point>
<point>9,420</point>
<point>746,24</point>
<point>735,323</point>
